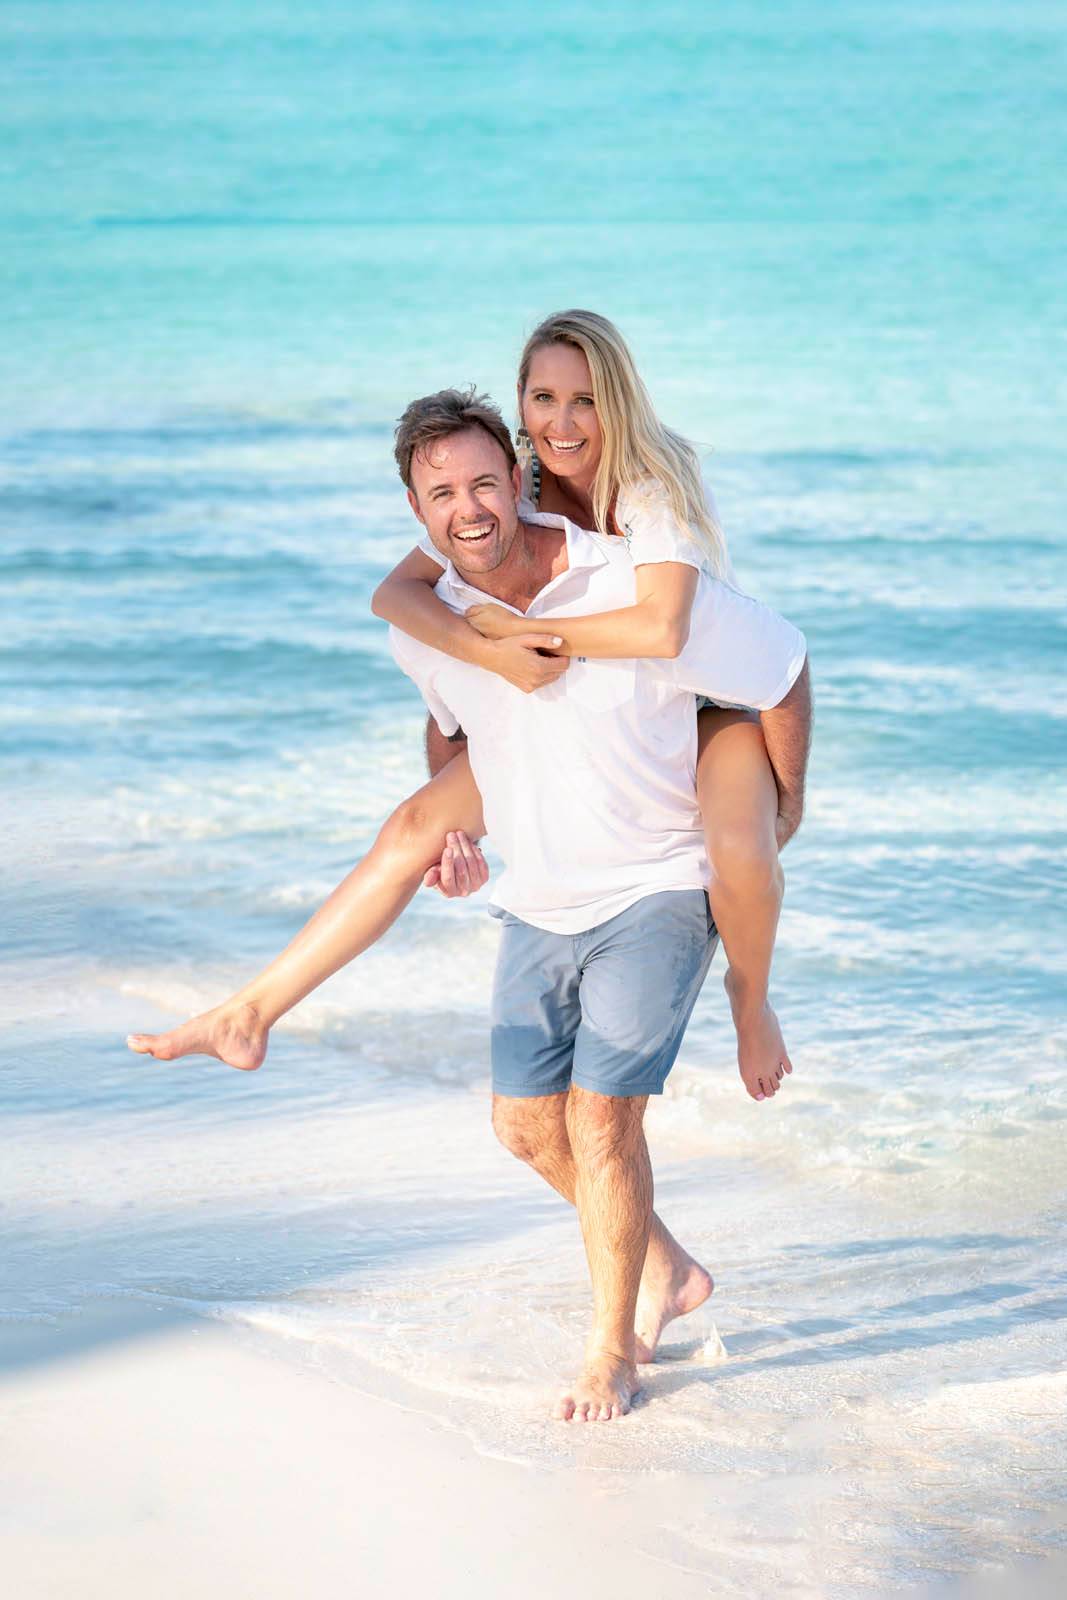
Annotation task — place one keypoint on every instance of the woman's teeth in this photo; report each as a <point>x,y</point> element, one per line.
<point>566,444</point>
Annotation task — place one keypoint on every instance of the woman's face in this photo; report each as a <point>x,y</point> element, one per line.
<point>557,408</point>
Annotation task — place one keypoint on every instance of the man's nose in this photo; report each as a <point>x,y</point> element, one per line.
<point>470,508</point>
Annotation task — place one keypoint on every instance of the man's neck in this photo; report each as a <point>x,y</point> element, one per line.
<point>537,555</point>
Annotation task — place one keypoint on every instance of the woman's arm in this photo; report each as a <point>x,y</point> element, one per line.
<point>406,599</point>
<point>658,625</point>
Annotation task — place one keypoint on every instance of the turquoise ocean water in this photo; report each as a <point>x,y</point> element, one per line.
<point>234,241</point>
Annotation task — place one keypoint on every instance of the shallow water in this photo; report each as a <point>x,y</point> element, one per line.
<point>229,271</point>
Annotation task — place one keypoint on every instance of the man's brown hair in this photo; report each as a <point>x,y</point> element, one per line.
<point>438,416</point>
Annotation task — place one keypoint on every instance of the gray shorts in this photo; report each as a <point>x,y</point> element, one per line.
<point>605,1009</point>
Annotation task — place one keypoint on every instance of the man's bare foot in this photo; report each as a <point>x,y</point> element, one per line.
<point>606,1389</point>
<point>761,1052</point>
<point>665,1295</point>
<point>234,1034</point>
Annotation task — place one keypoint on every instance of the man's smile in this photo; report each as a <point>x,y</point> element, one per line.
<point>475,533</point>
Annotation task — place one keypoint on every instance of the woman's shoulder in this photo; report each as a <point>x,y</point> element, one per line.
<point>653,530</point>
<point>649,497</point>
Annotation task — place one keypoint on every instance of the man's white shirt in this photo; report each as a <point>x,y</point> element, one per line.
<point>589,785</point>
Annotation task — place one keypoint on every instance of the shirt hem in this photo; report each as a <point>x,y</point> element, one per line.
<point>792,674</point>
<point>604,911</point>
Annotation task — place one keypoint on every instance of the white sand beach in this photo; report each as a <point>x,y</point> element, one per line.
<point>153,1455</point>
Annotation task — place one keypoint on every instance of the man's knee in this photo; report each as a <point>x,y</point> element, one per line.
<point>527,1127</point>
<point>603,1128</point>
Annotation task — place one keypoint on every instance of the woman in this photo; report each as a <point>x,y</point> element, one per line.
<point>597,454</point>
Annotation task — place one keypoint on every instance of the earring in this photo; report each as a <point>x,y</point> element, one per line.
<point>529,461</point>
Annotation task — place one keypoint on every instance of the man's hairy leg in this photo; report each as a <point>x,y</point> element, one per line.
<point>672,1282</point>
<point>613,1194</point>
<point>362,907</point>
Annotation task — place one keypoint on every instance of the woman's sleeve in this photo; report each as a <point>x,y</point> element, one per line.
<point>653,532</point>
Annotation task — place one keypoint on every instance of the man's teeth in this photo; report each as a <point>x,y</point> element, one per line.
<point>475,533</point>
<point>566,444</point>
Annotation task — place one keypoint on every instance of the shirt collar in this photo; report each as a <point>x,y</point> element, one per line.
<point>584,551</point>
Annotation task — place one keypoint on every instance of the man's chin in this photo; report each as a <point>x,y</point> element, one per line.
<point>486,558</point>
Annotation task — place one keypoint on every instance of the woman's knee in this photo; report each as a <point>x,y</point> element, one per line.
<point>412,833</point>
<point>744,859</point>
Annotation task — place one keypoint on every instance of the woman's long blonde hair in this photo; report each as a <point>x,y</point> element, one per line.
<point>638,451</point>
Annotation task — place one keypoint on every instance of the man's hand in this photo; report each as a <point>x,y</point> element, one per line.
<point>462,869</point>
<point>787,735</point>
<point>788,821</point>
<point>523,660</point>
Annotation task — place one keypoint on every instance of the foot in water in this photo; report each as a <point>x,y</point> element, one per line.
<point>606,1389</point>
<point>668,1292</point>
<point>234,1034</point>
<point>761,1052</point>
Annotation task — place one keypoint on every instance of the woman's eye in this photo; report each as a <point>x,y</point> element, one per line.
<point>585,400</point>
<point>542,397</point>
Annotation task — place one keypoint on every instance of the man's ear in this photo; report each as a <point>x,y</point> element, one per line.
<point>413,502</point>
<point>516,480</point>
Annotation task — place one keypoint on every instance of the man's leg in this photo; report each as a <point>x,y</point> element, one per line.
<point>672,1281</point>
<point>614,1199</point>
<point>641,974</point>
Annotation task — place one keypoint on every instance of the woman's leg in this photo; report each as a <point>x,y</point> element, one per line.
<point>357,913</point>
<point>739,804</point>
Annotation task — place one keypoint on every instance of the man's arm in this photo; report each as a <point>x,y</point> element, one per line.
<point>442,748</point>
<point>787,735</point>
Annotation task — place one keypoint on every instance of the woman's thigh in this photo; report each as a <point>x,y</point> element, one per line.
<point>735,783</point>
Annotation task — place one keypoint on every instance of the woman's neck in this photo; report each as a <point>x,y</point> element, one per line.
<point>567,497</point>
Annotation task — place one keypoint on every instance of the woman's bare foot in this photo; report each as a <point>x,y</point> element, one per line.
<point>665,1294</point>
<point>234,1034</point>
<point>606,1389</point>
<point>761,1052</point>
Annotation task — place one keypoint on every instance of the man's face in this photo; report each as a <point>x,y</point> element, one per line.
<point>463,492</point>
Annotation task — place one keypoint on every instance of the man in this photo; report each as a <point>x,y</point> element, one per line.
<point>589,795</point>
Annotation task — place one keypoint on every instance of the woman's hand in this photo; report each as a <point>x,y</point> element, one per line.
<point>493,622</point>
<point>523,660</point>
<point>462,869</point>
